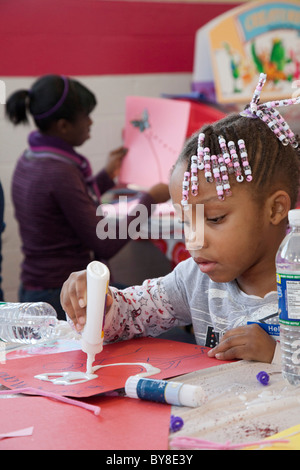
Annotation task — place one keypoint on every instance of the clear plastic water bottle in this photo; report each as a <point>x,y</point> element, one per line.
<point>27,323</point>
<point>288,287</point>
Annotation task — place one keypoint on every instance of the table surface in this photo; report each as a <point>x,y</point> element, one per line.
<point>237,407</point>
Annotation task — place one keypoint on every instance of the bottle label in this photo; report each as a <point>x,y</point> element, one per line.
<point>270,328</point>
<point>288,289</point>
<point>159,390</point>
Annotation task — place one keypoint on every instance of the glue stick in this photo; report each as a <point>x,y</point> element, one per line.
<point>163,391</point>
<point>97,287</point>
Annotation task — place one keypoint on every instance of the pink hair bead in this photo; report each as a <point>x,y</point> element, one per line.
<point>194,190</point>
<point>217,177</point>
<point>185,188</point>
<point>200,150</point>
<point>244,158</point>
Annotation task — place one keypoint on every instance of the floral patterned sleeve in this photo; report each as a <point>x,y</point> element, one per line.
<point>139,311</point>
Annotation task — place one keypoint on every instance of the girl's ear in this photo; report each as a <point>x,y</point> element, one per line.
<point>62,126</point>
<point>279,206</point>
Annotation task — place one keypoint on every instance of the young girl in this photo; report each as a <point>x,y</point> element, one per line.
<point>245,170</point>
<point>54,192</point>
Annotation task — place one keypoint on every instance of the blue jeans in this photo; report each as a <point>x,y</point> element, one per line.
<point>51,296</point>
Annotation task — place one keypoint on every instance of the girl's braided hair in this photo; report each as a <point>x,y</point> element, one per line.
<point>274,165</point>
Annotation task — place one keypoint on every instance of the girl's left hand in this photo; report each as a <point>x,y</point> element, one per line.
<point>249,342</point>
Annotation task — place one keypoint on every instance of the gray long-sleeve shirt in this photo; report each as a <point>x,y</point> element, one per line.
<point>186,296</point>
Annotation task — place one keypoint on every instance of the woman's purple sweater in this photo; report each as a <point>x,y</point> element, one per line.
<point>57,218</point>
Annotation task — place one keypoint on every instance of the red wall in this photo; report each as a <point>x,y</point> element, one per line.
<point>94,37</point>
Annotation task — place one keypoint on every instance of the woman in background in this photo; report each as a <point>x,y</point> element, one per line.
<point>54,192</point>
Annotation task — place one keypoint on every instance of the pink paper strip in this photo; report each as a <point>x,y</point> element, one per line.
<point>36,391</point>
<point>19,433</point>
<point>186,443</point>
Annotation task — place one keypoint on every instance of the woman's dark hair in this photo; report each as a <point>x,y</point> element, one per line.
<point>274,166</point>
<point>44,94</point>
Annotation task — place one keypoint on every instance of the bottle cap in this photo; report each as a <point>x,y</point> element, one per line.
<point>294,217</point>
<point>191,395</point>
<point>130,386</point>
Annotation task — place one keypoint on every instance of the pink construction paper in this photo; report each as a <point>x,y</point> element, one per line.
<point>171,357</point>
<point>124,424</point>
<point>155,132</point>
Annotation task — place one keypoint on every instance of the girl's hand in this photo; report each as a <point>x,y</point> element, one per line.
<point>73,298</point>
<point>249,342</point>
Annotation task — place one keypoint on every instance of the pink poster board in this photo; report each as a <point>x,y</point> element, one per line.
<point>155,132</point>
<point>58,426</point>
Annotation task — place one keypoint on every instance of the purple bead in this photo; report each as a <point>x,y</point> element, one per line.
<point>176,423</point>
<point>263,377</point>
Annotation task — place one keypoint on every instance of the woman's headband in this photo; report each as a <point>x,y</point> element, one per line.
<point>218,167</point>
<point>58,104</point>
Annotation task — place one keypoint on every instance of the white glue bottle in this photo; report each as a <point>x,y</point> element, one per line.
<point>97,287</point>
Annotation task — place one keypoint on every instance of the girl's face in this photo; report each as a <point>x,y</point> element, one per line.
<point>77,132</point>
<point>235,230</point>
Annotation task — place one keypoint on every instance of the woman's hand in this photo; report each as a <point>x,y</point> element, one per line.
<point>249,342</point>
<point>114,162</point>
<point>159,192</point>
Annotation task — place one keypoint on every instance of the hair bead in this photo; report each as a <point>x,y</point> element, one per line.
<point>271,116</point>
<point>225,153</point>
<point>200,151</point>
<point>217,176</point>
<point>185,189</point>
<point>194,175</point>
<point>235,161</point>
<point>257,92</point>
<point>216,168</point>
